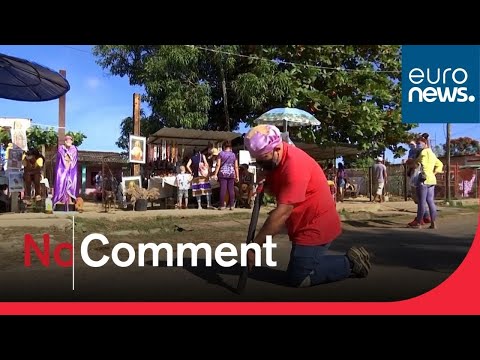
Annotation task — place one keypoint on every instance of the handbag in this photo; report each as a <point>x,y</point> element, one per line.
<point>421,177</point>
<point>203,168</point>
<point>418,177</point>
<point>414,178</point>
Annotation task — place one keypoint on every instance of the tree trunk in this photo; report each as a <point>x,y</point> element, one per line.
<point>225,104</point>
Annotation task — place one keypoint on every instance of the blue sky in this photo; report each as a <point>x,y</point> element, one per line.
<point>97,102</point>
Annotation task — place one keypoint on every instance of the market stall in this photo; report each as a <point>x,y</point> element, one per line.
<point>169,148</point>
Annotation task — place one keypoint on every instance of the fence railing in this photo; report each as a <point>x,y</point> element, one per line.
<point>464,182</point>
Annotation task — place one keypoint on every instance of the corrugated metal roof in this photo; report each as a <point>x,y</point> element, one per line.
<point>330,152</point>
<point>98,156</point>
<point>191,137</point>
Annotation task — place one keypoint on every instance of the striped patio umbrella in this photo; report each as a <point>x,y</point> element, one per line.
<point>287,117</point>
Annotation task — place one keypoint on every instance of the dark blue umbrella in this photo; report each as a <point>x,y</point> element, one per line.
<point>24,80</point>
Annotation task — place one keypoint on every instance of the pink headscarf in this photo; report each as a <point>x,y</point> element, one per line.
<point>262,139</point>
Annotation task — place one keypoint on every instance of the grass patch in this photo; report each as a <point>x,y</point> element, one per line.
<point>461,205</point>
<point>466,207</point>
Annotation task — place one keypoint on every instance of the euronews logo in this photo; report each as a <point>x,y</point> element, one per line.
<point>439,85</point>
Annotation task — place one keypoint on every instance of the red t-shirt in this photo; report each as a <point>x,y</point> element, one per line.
<point>298,180</point>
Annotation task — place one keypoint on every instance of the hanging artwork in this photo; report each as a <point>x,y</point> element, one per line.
<point>129,182</point>
<point>15,181</point>
<point>164,150</point>
<point>174,152</point>
<point>137,146</point>
<point>19,134</point>
<point>15,156</point>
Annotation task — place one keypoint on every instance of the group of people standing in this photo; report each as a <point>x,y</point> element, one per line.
<point>337,180</point>
<point>422,167</point>
<point>200,170</point>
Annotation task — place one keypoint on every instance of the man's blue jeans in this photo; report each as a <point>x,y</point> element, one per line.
<point>314,262</point>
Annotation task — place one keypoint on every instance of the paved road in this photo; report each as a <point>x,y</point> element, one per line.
<point>407,263</point>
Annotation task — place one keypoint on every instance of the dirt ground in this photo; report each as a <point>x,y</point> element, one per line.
<point>160,229</point>
<point>407,262</point>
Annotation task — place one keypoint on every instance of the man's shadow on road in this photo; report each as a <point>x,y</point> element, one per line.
<point>212,274</point>
<point>421,250</point>
<point>374,223</point>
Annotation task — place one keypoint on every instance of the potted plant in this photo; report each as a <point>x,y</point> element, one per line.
<point>140,197</point>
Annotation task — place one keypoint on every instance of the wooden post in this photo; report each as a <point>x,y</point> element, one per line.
<point>84,179</point>
<point>136,127</point>
<point>370,182</point>
<point>61,115</point>
<point>225,104</point>
<point>103,185</point>
<point>447,178</point>
<point>455,180</point>
<point>14,202</point>
<point>475,183</point>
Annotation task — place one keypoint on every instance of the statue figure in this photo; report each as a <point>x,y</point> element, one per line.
<point>33,163</point>
<point>65,190</point>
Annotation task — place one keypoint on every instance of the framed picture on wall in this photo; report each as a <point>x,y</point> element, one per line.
<point>137,149</point>
<point>15,158</point>
<point>131,181</point>
<point>15,181</point>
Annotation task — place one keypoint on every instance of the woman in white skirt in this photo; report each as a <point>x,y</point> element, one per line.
<point>198,167</point>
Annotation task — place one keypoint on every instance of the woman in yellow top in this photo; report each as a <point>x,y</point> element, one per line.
<point>426,181</point>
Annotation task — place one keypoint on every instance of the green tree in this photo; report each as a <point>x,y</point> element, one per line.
<point>148,125</point>
<point>462,146</point>
<point>36,137</point>
<point>358,162</point>
<point>355,91</point>
<point>360,104</point>
<point>438,150</point>
<point>170,75</point>
<point>5,136</point>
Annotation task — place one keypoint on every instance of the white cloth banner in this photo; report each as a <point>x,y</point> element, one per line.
<point>244,157</point>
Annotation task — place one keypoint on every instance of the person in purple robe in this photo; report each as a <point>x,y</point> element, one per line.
<point>65,190</point>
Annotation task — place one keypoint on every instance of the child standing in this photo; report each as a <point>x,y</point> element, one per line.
<point>183,184</point>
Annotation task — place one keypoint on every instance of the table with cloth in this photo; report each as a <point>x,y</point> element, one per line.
<point>167,188</point>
